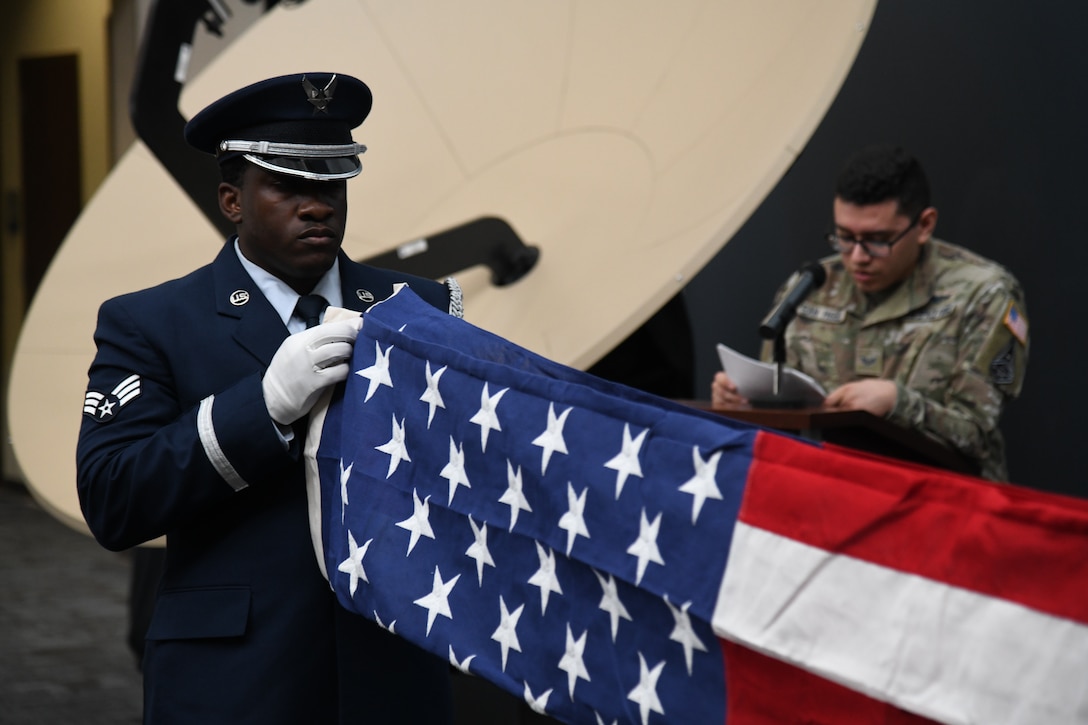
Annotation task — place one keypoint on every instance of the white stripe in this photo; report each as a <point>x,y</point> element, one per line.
<point>940,651</point>
<point>313,475</point>
<point>123,390</point>
<point>206,430</point>
<point>315,425</point>
<point>129,395</point>
<point>131,379</point>
<point>91,401</point>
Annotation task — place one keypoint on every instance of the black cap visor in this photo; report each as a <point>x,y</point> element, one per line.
<point>331,168</point>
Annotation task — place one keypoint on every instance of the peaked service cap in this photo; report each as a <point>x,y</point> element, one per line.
<point>297,124</point>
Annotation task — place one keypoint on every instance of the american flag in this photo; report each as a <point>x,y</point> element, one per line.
<point>613,557</point>
<point>1017,323</point>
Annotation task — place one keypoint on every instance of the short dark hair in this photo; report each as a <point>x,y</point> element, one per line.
<point>232,170</point>
<point>878,173</point>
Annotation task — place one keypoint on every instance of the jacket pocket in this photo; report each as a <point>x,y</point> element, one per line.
<point>200,613</point>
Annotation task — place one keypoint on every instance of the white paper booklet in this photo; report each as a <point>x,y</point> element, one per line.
<point>755,379</point>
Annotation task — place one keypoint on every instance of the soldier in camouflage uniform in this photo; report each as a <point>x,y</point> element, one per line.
<point>925,333</point>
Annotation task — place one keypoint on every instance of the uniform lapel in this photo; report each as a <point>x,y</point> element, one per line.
<point>259,329</point>
<point>363,285</point>
<point>360,287</point>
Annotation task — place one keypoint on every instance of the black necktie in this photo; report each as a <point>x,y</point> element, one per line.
<point>309,309</point>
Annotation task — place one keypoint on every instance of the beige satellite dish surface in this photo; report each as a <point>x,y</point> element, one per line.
<point>627,140</point>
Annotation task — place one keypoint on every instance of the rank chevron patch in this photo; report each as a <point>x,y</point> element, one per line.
<point>105,406</point>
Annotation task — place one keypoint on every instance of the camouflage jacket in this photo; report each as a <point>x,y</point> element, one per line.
<point>953,336</point>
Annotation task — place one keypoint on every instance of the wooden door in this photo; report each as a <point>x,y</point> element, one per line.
<point>51,167</point>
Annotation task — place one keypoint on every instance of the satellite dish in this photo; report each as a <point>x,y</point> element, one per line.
<point>626,141</point>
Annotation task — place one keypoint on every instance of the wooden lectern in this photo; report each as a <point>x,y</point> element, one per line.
<point>856,429</point>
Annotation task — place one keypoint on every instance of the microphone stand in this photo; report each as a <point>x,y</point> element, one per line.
<point>777,398</point>
<point>779,360</point>
<point>773,327</point>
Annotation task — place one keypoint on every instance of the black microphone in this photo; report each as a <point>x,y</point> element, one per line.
<point>810,277</point>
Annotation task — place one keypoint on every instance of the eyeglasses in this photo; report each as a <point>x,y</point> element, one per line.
<point>872,247</point>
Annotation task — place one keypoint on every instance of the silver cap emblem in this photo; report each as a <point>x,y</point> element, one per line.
<point>320,98</point>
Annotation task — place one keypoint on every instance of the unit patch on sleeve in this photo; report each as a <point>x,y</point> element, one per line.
<point>104,407</point>
<point>1003,366</point>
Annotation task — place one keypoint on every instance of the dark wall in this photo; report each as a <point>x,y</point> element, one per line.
<point>991,96</point>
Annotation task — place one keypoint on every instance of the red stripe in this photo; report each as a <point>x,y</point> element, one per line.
<point>996,539</point>
<point>761,690</point>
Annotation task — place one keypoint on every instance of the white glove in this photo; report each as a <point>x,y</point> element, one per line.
<point>307,363</point>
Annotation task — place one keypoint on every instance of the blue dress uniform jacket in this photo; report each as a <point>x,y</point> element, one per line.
<point>245,629</point>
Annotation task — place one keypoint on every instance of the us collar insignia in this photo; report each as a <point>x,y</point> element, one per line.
<point>103,407</point>
<point>1003,366</point>
<point>320,98</point>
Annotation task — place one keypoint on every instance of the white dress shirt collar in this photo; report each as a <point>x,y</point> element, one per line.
<point>283,298</point>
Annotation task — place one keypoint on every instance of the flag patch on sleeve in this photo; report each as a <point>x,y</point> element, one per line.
<point>1017,323</point>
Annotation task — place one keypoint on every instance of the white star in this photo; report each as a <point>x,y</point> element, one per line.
<point>573,521</point>
<point>353,565</point>
<point>396,447</point>
<point>392,628</point>
<point>506,634</point>
<point>702,485</point>
<point>645,546</point>
<point>684,633</point>
<point>431,396</point>
<point>461,664</point>
<point>545,577</point>
<point>479,551</point>
<point>487,416</point>
<point>106,408</point>
<point>536,704</point>
<point>600,720</point>
<point>345,474</point>
<point>419,522</point>
<point>454,471</point>
<point>551,440</point>
<point>513,496</point>
<point>610,602</point>
<point>378,373</point>
<point>573,662</point>
<point>438,601</point>
<point>625,463</point>
<point>645,693</point>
